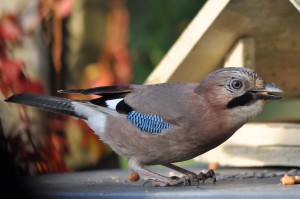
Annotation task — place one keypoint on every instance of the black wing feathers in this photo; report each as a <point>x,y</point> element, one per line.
<point>104,90</point>
<point>107,93</point>
<point>65,106</point>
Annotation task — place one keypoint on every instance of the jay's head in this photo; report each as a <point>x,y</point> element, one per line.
<point>238,89</point>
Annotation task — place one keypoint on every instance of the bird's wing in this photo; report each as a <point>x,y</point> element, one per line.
<point>111,96</point>
<point>151,108</point>
<point>165,99</point>
<point>171,101</point>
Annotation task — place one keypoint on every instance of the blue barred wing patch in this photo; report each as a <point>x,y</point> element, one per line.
<point>149,123</point>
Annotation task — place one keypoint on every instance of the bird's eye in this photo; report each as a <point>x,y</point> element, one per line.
<point>236,84</point>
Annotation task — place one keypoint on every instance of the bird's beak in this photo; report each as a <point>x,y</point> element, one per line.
<point>267,93</point>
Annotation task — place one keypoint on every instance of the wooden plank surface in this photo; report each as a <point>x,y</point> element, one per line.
<point>231,184</point>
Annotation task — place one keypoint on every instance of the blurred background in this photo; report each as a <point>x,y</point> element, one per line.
<point>46,45</point>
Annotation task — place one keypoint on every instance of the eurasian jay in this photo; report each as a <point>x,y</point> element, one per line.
<point>161,124</point>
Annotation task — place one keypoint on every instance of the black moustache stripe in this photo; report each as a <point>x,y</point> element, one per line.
<point>242,100</point>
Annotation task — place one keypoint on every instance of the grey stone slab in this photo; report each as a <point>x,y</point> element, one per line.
<point>231,183</point>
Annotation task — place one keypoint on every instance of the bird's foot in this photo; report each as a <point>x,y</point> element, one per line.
<point>184,180</point>
<point>173,181</point>
<point>188,178</point>
<point>192,177</point>
<point>210,174</point>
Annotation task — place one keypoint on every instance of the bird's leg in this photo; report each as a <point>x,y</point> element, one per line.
<point>210,174</point>
<point>192,177</point>
<point>158,180</point>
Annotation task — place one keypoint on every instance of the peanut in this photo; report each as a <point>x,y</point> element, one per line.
<point>288,180</point>
<point>213,166</point>
<point>133,177</point>
<point>297,179</point>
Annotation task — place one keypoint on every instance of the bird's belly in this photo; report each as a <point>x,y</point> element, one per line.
<point>174,145</point>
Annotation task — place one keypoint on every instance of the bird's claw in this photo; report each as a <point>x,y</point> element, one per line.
<point>210,174</point>
<point>184,180</point>
<point>173,181</point>
<point>148,181</point>
<point>192,177</point>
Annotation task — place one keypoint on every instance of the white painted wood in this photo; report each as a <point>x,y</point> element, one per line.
<point>186,42</point>
<point>256,144</point>
<point>242,54</point>
<point>296,3</point>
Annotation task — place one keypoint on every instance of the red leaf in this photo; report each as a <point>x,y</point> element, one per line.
<point>29,86</point>
<point>63,8</point>
<point>10,70</point>
<point>9,29</point>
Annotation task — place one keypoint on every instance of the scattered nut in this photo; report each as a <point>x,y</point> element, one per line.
<point>287,180</point>
<point>297,179</point>
<point>213,166</point>
<point>133,177</point>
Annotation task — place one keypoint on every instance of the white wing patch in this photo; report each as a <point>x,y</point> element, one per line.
<point>112,104</point>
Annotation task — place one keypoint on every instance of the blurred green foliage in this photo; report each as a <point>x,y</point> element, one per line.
<point>154,27</point>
